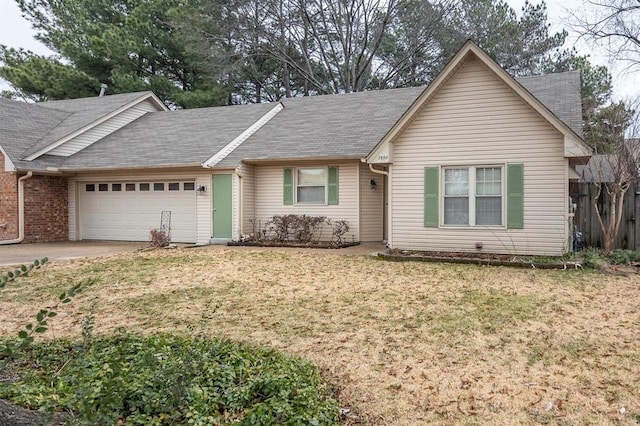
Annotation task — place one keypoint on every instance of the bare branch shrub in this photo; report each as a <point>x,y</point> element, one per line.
<point>338,230</point>
<point>158,238</point>
<point>302,229</point>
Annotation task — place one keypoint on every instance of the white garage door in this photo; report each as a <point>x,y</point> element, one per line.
<point>127,211</point>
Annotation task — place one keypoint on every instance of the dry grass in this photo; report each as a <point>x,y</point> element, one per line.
<point>404,343</point>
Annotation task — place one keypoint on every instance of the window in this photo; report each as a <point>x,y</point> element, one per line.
<point>489,196</point>
<point>189,186</point>
<point>90,187</point>
<point>158,186</point>
<point>144,187</point>
<point>130,187</point>
<point>473,196</point>
<point>102,187</point>
<point>456,196</point>
<point>310,186</point>
<point>174,186</point>
<point>116,187</point>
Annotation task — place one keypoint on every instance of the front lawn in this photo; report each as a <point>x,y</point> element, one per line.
<point>403,343</point>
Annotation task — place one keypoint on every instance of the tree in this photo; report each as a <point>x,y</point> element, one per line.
<point>338,40</point>
<point>613,173</point>
<point>128,44</point>
<point>38,78</point>
<point>412,53</point>
<point>614,23</point>
<point>598,108</point>
<point>521,45</point>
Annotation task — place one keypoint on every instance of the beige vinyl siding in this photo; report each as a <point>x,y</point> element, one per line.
<point>371,205</point>
<point>477,120</point>
<point>269,201</point>
<point>103,129</point>
<point>247,196</point>
<point>201,178</point>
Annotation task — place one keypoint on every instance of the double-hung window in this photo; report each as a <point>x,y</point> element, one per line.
<point>311,186</point>
<point>473,196</point>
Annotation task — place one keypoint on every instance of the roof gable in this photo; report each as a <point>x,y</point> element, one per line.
<point>187,137</point>
<point>86,114</point>
<point>574,146</point>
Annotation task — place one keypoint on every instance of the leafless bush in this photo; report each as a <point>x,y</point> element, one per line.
<point>301,229</point>
<point>338,230</point>
<point>159,238</point>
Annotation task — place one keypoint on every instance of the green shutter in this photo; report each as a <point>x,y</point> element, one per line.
<point>333,186</point>
<point>288,187</point>
<point>431,186</point>
<point>515,196</point>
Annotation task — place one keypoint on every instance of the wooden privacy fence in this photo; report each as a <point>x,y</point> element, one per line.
<point>586,220</point>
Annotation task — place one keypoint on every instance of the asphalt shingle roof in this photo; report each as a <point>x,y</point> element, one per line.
<point>22,125</point>
<point>168,138</point>
<point>330,126</point>
<point>80,113</point>
<point>560,93</point>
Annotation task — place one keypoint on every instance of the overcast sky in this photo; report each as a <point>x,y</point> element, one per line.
<point>16,32</point>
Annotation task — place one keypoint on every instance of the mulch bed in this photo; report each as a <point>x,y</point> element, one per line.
<point>13,415</point>
<point>474,258</point>
<point>319,244</point>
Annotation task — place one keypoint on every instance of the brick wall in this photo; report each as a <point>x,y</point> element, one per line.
<point>46,207</point>
<point>46,204</point>
<point>8,203</point>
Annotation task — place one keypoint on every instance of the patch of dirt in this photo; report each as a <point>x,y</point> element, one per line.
<point>317,244</point>
<point>12,415</point>
<point>478,258</point>
<point>630,269</point>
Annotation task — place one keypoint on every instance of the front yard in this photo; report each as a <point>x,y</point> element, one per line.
<point>402,343</point>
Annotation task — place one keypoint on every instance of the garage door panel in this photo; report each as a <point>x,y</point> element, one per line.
<point>131,215</point>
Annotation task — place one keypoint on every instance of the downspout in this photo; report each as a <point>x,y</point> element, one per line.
<point>380,172</point>
<point>20,211</point>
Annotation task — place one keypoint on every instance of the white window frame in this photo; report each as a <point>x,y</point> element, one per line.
<point>296,185</point>
<point>472,195</point>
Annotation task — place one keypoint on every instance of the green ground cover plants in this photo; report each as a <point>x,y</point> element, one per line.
<point>167,380</point>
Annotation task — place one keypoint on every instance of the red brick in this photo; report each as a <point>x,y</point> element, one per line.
<point>8,203</point>
<point>46,204</point>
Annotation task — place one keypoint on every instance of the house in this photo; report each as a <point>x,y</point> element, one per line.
<point>475,161</point>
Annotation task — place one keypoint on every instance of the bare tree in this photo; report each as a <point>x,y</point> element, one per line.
<point>612,174</point>
<point>615,23</point>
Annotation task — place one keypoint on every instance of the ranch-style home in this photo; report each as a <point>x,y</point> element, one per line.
<point>476,161</point>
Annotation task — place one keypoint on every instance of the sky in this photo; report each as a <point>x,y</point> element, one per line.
<point>15,31</point>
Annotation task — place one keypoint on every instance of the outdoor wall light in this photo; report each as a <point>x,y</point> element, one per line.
<point>202,189</point>
<point>373,185</point>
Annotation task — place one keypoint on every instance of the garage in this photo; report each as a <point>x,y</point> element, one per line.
<point>127,211</point>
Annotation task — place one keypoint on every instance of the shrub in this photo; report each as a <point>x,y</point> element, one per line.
<point>592,258</point>
<point>339,228</point>
<point>159,238</point>
<point>165,379</point>
<point>301,229</point>
<point>623,257</point>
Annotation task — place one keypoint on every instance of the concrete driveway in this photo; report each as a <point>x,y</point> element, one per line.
<point>25,253</point>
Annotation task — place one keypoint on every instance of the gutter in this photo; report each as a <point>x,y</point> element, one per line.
<point>20,211</point>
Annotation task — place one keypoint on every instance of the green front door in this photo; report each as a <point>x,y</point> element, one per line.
<point>222,213</point>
